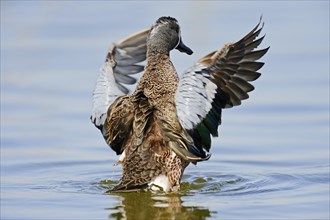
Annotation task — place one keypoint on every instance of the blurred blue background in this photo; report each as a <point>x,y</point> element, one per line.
<point>272,157</point>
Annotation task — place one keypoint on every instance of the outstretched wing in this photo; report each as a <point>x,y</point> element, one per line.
<point>218,80</point>
<point>121,62</point>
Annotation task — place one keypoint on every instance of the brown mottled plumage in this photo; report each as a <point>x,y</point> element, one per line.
<point>166,123</point>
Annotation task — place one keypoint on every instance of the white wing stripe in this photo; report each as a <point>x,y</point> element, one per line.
<point>194,96</point>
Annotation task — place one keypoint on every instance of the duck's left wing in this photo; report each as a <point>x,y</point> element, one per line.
<point>120,64</point>
<point>218,80</point>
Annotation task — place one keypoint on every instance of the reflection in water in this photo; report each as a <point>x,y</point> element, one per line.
<point>146,205</point>
<point>151,205</point>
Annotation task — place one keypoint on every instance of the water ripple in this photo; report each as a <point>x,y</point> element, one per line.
<point>236,185</point>
<point>209,183</point>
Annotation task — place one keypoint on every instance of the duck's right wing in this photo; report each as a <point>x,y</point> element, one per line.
<point>219,80</point>
<point>121,62</point>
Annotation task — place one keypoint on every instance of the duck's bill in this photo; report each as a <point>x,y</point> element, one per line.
<point>183,48</point>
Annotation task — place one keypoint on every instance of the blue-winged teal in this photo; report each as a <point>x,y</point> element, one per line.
<point>167,122</point>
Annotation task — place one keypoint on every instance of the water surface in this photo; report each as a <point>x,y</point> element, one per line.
<point>270,162</point>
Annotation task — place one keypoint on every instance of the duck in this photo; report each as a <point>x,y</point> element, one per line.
<point>157,122</point>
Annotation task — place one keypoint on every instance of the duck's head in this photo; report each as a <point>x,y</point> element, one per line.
<point>165,35</point>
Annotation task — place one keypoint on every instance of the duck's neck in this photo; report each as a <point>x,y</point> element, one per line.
<point>157,61</point>
<point>154,52</point>
<point>159,68</point>
<point>160,77</point>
